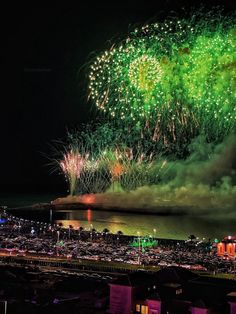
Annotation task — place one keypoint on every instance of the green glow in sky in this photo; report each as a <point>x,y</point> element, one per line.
<point>175,74</point>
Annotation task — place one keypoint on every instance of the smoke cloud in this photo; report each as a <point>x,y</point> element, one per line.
<point>202,183</point>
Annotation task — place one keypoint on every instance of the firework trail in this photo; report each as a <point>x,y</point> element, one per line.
<point>72,165</point>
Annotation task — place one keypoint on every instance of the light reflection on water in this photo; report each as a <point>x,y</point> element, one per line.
<point>174,227</point>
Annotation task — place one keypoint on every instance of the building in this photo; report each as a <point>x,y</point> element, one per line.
<point>227,247</point>
<point>171,290</point>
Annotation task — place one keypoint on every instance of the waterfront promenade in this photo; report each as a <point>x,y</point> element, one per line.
<point>28,241</point>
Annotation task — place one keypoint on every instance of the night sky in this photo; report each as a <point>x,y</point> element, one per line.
<point>46,84</point>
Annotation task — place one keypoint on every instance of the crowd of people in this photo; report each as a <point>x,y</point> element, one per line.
<point>23,237</point>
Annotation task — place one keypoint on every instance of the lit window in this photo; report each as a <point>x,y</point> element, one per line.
<point>144,309</point>
<point>138,307</point>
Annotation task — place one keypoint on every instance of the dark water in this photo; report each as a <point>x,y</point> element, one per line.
<point>175,227</point>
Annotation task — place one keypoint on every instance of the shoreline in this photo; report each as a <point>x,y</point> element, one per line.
<point>65,206</point>
<point>163,211</point>
<point>16,211</point>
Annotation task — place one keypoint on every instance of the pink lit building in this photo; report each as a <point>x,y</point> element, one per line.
<point>171,290</point>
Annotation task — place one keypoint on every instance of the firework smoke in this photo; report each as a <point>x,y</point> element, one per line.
<point>205,180</point>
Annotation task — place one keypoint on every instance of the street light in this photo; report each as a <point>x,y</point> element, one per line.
<point>50,215</point>
<point>138,233</point>
<point>154,233</point>
<point>234,262</point>
<point>91,231</point>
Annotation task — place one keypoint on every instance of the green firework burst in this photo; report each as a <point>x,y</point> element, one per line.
<point>175,78</point>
